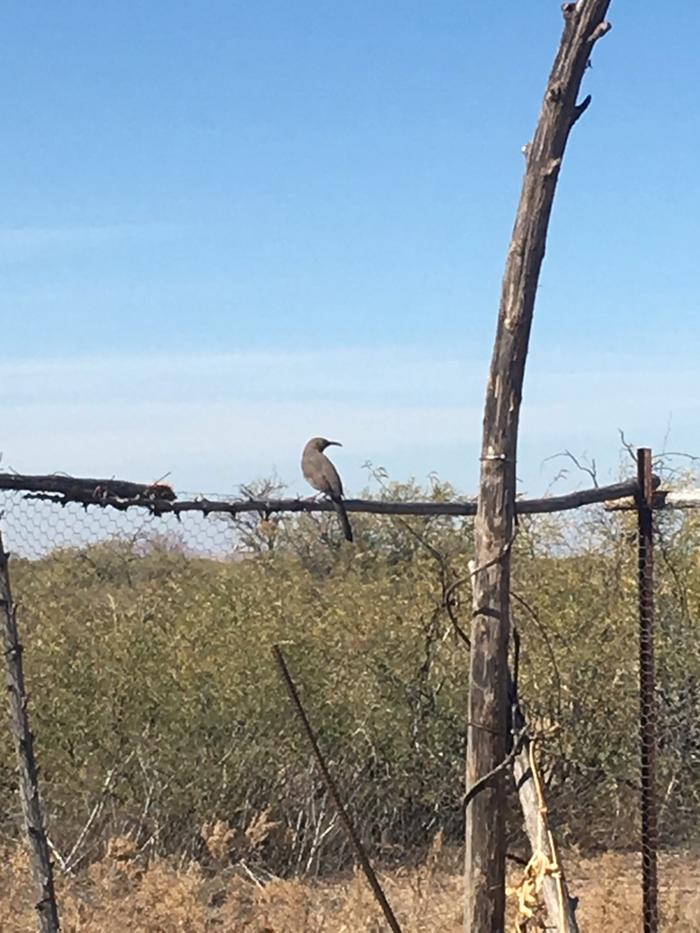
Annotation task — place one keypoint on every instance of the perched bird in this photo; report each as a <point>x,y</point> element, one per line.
<point>320,473</point>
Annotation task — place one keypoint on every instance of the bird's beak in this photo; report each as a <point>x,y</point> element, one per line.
<point>334,444</point>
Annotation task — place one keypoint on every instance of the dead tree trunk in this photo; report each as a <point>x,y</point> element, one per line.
<point>42,869</point>
<point>494,526</point>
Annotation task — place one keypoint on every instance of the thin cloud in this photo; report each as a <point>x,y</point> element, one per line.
<point>24,243</point>
<point>216,420</point>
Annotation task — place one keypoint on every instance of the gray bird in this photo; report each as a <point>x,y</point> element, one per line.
<point>320,473</point>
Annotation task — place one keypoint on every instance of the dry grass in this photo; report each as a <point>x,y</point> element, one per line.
<point>121,893</point>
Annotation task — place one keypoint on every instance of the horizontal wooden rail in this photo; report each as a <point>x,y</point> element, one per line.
<point>160,499</point>
<point>81,486</point>
<point>662,499</point>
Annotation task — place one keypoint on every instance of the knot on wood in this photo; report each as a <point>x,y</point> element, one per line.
<point>599,31</point>
<point>568,9</point>
<point>551,167</point>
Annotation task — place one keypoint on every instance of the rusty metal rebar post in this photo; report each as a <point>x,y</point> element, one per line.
<point>353,836</point>
<point>647,689</point>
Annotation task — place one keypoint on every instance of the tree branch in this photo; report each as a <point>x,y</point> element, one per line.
<point>162,506</point>
<point>83,488</point>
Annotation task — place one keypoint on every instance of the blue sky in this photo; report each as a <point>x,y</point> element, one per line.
<point>227,227</point>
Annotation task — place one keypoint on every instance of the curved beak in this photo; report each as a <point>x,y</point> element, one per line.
<point>334,444</point>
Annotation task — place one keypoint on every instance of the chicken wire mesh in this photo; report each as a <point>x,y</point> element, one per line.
<point>160,716</point>
<point>157,701</point>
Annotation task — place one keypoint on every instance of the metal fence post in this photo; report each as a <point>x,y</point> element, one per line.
<point>647,687</point>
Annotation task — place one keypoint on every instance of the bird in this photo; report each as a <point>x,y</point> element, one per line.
<point>320,473</point>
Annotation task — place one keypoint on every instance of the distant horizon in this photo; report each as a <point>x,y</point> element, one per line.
<point>124,418</point>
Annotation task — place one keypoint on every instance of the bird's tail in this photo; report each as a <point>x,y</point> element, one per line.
<point>343,516</point>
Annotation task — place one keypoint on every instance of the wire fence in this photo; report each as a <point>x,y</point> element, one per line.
<point>160,716</point>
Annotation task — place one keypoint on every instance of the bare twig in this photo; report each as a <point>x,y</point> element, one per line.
<point>74,856</point>
<point>584,467</point>
<point>630,448</point>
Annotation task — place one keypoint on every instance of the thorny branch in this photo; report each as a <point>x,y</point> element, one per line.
<point>64,491</point>
<point>42,867</point>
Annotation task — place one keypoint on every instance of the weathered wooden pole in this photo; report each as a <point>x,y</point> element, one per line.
<point>584,24</point>
<point>42,869</point>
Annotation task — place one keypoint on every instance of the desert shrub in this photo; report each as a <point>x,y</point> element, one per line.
<point>156,703</point>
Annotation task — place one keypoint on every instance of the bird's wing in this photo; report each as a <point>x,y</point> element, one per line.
<point>332,480</point>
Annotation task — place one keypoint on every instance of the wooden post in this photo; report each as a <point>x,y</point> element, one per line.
<point>494,526</point>
<point>42,869</point>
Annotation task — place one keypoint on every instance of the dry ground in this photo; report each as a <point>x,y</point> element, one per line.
<point>118,894</point>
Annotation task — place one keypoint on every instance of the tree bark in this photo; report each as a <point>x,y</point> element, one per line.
<point>42,869</point>
<point>661,499</point>
<point>92,490</point>
<point>494,526</point>
<point>565,502</point>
